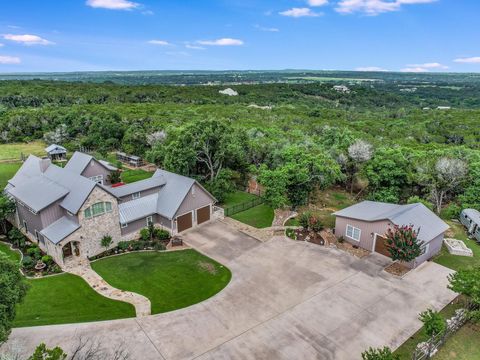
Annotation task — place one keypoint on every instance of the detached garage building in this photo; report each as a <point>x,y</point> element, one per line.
<point>365,224</point>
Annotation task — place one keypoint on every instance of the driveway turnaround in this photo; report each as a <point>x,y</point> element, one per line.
<point>286,300</point>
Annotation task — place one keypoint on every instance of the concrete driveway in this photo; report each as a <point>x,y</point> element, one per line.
<point>286,300</point>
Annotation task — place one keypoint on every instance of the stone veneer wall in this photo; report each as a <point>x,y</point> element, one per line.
<point>92,230</point>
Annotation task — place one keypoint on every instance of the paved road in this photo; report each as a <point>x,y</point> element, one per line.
<point>286,300</point>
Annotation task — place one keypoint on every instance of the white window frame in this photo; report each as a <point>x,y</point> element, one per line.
<point>136,195</point>
<point>149,219</point>
<point>353,232</point>
<point>97,178</point>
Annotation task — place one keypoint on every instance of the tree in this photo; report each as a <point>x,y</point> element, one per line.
<point>106,241</point>
<point>467,282</point>
<point>433,322</point>
<point>58,136</point>
<point>7,208</point>
<point>13,288</point>
<point>442,177</point>
<point>44,353</point>
<point>16,238</point>
<point>359,152</point>
<point>379,354</point>
<point>403,244</point>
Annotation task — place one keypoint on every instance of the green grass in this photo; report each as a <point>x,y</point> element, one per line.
<point>456,262</point>
<point>237,198</point>
<point>260,216</point>
<point>292,222</point>
<point>13,151</point>
<point>464,345</point>
<point>64,299</point>
<point>7,170</point>
<point>407,348</point>
<point>11,254</point>
<point>171,280</point>
<point>129,176</point>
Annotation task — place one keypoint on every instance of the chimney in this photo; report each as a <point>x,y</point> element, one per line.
<point>44,164</point>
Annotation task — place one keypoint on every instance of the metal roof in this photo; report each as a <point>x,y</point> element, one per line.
<point>473,214</point>
<point>38,192</point>
<point>78,162</point>
<point>142,185</point>
<point>107,165</point>
<point>418,215</point>
<point>55,149</point>
<point>59,230</point>
<point>138,209</point>
<point>172,193</point>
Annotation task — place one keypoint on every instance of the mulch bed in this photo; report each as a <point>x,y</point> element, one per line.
<point>310,236</point>
<point>397,269</point>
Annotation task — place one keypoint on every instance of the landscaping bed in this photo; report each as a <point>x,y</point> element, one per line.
<point>170,280</point>
<point>397,269</point>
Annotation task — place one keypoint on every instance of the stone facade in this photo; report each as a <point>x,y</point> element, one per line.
<point>94,229</point>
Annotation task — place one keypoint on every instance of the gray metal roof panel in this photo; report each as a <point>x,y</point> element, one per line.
<point>172,193</point>
<point>107,165</point>
<point>59,230</point>
<point>138,209</point>
<point>78,162</point>
<point>29,168</point>
<point>142,185</point>
<point>55,147</point>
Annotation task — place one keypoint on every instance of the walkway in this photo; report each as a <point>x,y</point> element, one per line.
<point>286,300</point>
<point>83,269</point>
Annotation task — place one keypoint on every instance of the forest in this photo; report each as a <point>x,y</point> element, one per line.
<point>383,136</point>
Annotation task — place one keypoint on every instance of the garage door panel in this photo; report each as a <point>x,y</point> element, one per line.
<point>184,222</point>
<point>203,214</point>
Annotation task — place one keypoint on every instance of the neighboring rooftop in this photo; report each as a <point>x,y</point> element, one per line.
<point>55,149</point>
<point>473,214</point>
<point>418,215</point>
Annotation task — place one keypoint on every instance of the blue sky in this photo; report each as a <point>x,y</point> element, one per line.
<point>399,35</point>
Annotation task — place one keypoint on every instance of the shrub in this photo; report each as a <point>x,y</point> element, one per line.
<point>34,252</point>
<point>315,224</point>
<point>379,354</point>
<point>290,233</point>
<point>106,241</point>
<point>16,238</point>
<point>55,269</point>
<point>159,246</point>
<point>145,234</point>
<point>47,260</point>
<point>304,220</point>
<point>403,244</point>
<point>417,199</point>
<point>162,234</point>
<point>123,245</point>
<point>341,239</point>
<point>27,262</point>
<point>452,211</point>
<point>433,322</point>
<point>137,245</point>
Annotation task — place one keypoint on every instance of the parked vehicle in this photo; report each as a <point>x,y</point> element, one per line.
<point>470,218</point>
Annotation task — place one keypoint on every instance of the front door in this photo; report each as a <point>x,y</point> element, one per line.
<point>381,245</point>
<point>67,250</point>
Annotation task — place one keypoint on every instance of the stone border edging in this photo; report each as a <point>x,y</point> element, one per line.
<point>138,251</point>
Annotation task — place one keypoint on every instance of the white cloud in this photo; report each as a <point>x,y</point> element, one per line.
<point>267,29</point>
<point>370,68</point>
<point>148,13</point>
<point>299,12</point>
<point>424,67</point>
<point>194,47</point>
<point>27,39</point>
<point>221,42</point>
<point>375,7</point>
<point>159,42</point>
<point>113,4</point>
<point>317,2</point>
<point>469,60</point>
<point>414,69</point>
<point>4,59</point>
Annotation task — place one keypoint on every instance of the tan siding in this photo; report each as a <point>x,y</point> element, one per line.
<point>199,199</point>
<point>367,229</point>
<point>51,214</point>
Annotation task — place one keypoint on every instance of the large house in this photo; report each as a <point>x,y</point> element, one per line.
<point>68,210</point>
<point>365,224</point>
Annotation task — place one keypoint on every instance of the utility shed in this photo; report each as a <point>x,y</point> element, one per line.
<point>56,152</point>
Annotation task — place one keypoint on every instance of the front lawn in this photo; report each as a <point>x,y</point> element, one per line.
<point>464,345</point>
<point>7,170</point>
<point>129,176</point>
<point>260,216</point>
<point>171,280</point>
<point>64,299</point>
<point>14,151</point>
<point>456,262</point>
<point>236,198</point>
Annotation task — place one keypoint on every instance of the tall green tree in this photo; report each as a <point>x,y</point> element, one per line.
<point>7,208</point>
<point>467,282</point>
<point>13,288</point>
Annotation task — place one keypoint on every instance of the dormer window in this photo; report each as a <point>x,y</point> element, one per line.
<point>136,195</point>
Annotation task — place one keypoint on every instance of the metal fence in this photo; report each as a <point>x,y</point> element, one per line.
<point>243,206</point>
<point>427,349</point>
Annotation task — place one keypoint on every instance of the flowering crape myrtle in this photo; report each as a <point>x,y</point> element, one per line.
<point>403,244</point>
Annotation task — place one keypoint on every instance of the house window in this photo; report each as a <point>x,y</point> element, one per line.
<point>37,235</point>
<point>353,233</point>
<point>149,220</point>
<point>98,179</point>
<point>136,195</point>
<point>123,225</point>
<point>98,209</point>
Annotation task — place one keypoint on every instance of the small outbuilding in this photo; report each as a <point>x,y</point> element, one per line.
<point>471,219</point>
<point>131,160</point>
<point>56,152</point>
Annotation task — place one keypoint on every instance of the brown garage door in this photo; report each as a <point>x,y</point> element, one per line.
<point>184,222</point>
<point>203,214</point>
<point>381,246</point>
